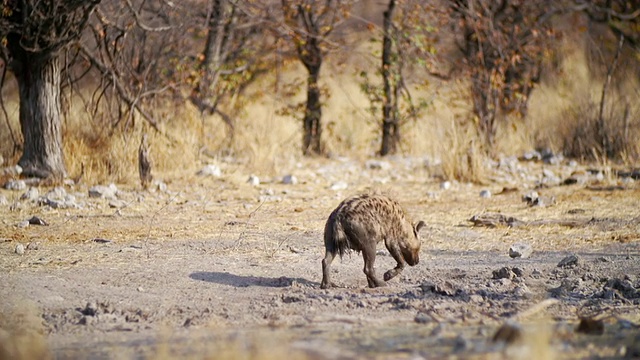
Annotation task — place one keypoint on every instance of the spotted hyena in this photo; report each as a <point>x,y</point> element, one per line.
<point>361,222</point>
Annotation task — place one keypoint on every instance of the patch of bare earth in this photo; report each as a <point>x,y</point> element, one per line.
<point>218,268</point>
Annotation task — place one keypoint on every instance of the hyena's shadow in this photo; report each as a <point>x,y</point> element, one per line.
<point>226,278</point>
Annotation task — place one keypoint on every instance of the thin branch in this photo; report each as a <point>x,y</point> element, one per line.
<point>122,92</point>
<point>4,109</point>
<point>143,26</point>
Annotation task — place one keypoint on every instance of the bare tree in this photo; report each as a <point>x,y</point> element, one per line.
<point>232,54</point>
<point>407,42</point>
<point>308,25</point>
<point>406,59</point>
<point>34,33</point>
<point>502,43</point>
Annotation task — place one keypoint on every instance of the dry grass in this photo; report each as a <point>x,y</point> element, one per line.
<point>265,142</point>
<point>22,333</point>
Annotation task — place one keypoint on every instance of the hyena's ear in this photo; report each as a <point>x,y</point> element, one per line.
<point>419,226</point>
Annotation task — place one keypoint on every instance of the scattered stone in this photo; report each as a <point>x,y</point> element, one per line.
<point>441,288</point>
<point>422,318</point>
<point>461,343</point>
<point>520,250</point>
<point>289,180</point>
<point>590,326</point>
<point>159,185</point>
<point>530,197</point>
<point>3,200</point>
<point>57,198</point>
<point>522,291</point>
<point>494,219</point>
<point>445,185</point>
<point>101,191</point>
<point>19,249</point>
<point>339,185</point>
<point>117,204</point>
<point>519,272</point>
<point>253,180</point>
<point>508,333</point>
<point>544,201</point>
<point>566,286</point>
<point>623,287</point>
<point>485,194</point>
<point>57,193</point>
<point>23,224</point>
<point>509,163</point>
<point>37,221</point>
<point>503,273</point>
<point>31,194</point>
<point>102,241</point>
<point>569,261</point>
<point>11,170</point>
<point>33,246</point>
<point>15,185</point>
<point>210,170</point>
<point>377,165</point>
<point>91,309</point>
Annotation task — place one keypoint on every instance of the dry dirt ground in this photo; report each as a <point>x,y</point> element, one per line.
<point>219,268</point>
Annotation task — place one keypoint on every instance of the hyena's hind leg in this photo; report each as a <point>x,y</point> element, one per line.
<point>326,269</point>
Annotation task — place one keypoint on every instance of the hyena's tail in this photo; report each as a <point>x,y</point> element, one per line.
<point>335,239</point>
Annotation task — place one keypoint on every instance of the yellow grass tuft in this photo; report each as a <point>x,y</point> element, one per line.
<point>22,333</point>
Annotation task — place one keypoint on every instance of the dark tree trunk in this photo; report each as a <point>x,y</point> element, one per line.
<point>311,56</point>
<point>38,79</point>
<point>390,126</point>
<point>311,142</point>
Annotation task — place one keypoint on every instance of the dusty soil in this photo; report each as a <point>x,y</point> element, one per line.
<point>218,268</point>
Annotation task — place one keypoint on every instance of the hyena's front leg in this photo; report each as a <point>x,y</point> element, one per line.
<point>394,250</point>
<point>369,255</point>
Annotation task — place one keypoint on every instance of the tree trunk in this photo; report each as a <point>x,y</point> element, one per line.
<point>390,128</point>
<point>38,79</point>
<point>311,142</point>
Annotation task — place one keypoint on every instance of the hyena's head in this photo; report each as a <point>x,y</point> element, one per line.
<point>411,247</point>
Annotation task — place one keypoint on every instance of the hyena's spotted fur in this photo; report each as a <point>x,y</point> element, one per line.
<point>361,222</point>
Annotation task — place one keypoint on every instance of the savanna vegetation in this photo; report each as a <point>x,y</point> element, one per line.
<point>262,83</point>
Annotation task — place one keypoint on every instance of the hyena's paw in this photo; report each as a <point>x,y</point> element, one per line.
<point>391,274</point>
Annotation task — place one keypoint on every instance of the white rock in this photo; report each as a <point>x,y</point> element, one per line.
<point>23,224</point>
<point>289,180</point>
<point>339,185</point>
<point>57,193</point>
<point>520,250</point>
<point>3,200</point>
<point>160,185</point>
<point>253,180</point>
<point>31,195</point>
<point>15,185</point>
<point>377,165</point>
<point>19,249</point>
<point>485,194</point>
<point>210,170</point>
<point>101,191</point>
<point>445,185</point>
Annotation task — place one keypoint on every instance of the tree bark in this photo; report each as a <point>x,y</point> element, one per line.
<point>38,77</point>
<point>390,126</point>
<point>311,142</point>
